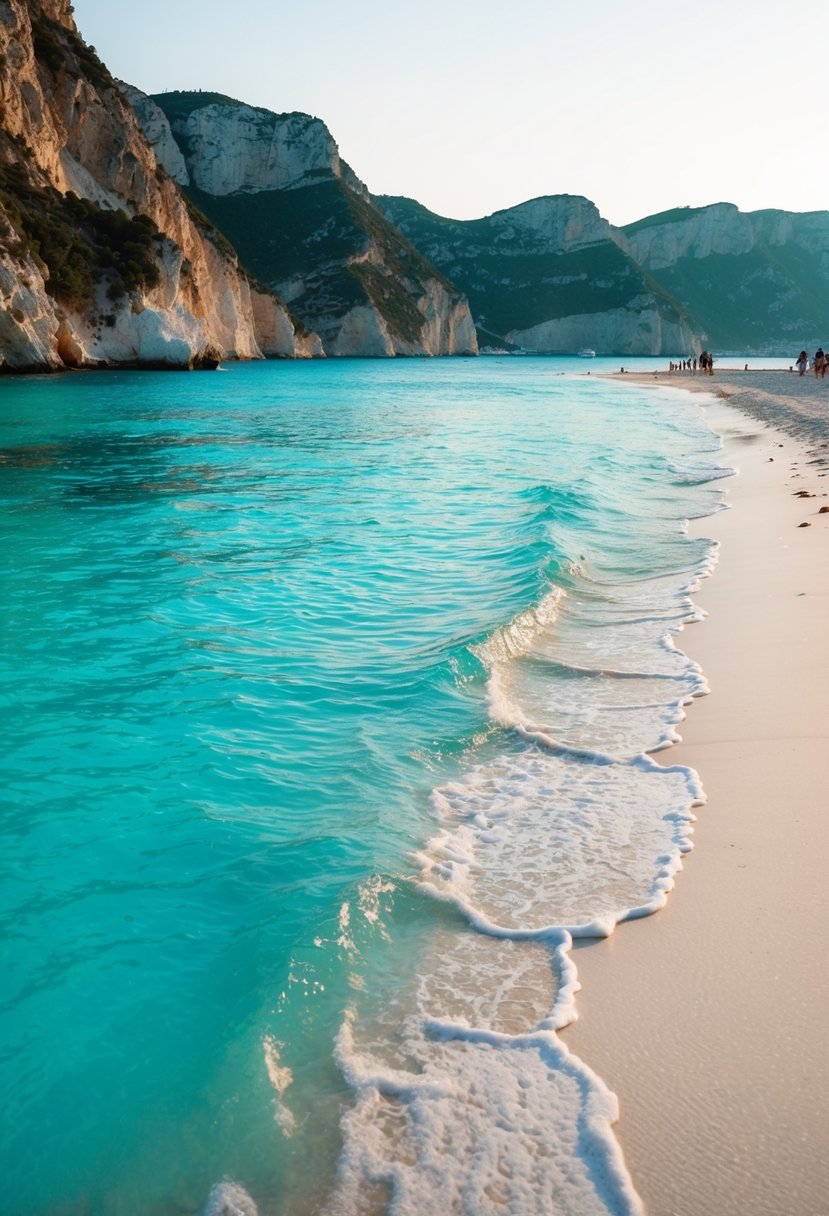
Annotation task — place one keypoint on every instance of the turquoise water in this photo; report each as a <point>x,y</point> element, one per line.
<point>251,621</point>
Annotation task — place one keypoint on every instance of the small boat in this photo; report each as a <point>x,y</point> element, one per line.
<point>587,353</point>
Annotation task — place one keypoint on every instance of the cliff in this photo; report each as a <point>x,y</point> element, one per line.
<point>130,227</point>
<point>756,281</point>
<point>549,276</point>
<point>102,261</point>
<point>305,225</point>
<point>222,146</point>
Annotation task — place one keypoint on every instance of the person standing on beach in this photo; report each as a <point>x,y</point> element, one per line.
<point>802,362</point>
<point>819,362</point>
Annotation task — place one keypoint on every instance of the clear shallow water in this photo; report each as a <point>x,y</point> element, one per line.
<point>277,643</point>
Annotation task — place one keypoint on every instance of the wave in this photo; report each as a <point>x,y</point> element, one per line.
<point>479,1106</point>
<point>466,1098</point>
<point>491,1123</point>
<point>555,839</point>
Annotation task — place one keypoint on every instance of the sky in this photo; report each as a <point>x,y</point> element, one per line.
<point>472,107</point>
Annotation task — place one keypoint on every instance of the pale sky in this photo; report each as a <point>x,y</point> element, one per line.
<point>473,107</point>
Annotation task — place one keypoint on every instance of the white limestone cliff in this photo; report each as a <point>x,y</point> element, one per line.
<point>546,275</point>
<point>807,229</point>
<point>230,148</point>
<point>233,147</point>
<point>558,223</point>
<point>28,321</point>
<point>156,128</point>
<point>448,324</point>
<point>448,329</point>
<point>639,329</point>
<point>72,132</point>
<point>722,229</point>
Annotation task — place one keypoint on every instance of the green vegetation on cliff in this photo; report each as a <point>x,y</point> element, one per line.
<point>674,216</point>
<point>771,299</point>
<point>513,283</point>
<point>60,49</point>
<point>328,249</point>
<point>181,103</point>
<point>75,242</point>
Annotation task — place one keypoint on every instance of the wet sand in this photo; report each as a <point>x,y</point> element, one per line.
<point>797,404</point>
<point>708,1018</point>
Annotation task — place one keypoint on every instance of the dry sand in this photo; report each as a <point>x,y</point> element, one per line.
<point>708,1019</point>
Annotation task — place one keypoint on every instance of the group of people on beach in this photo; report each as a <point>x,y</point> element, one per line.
<point>819,363</point>
<point>705,362</point>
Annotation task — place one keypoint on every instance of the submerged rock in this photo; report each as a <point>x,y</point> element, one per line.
<point>228,1198</point>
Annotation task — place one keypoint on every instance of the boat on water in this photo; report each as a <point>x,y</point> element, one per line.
<point>587,353</point>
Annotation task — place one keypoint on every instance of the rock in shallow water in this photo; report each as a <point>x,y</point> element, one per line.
<point>228,1198</point>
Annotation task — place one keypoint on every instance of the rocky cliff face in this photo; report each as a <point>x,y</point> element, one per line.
<point>549,276</point>
<point>688,232</point>
<point>222,146</point>
<point>555,224</point>
<point>638,329</point>
<point>756,281</point>
<point>305,225</point>
<point>101,260</point>
<point>721,229</point>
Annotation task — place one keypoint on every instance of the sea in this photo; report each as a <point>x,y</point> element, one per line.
<point>334,700</point>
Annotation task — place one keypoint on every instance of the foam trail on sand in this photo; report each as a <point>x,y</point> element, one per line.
<point>551,838</point>
<point>466,1097</point>
<point>492,1123</point>
<point>479,1105</point>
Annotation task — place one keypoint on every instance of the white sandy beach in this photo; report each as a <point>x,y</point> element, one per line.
<point>708,1019</point>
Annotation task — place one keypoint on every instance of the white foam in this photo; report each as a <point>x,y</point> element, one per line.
<point>593,636</point>
<point>490,1123</point>
<point>466,1099</point>
<point>536,843</point>
<point>280,1078</point>
<point>692,472</point>
<point>518,636</point>
<point>616,712</point>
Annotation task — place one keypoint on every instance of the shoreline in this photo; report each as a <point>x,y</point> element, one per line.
<point>706,1019</point>
<point>785,401</point>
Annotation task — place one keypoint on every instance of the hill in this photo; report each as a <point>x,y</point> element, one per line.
<point>755,281</point>
<point>305,225</point>
<point>549,276</point>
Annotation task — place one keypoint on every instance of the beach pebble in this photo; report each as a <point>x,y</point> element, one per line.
<point>823,510</point>
<point>805,524</point>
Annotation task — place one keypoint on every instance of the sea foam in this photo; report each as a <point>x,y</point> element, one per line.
<point>333,688</point>
<point>466,1097</point>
